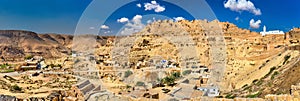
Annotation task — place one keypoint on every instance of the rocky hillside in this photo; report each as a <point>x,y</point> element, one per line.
<point>16,44</point>
<point>250,58</point>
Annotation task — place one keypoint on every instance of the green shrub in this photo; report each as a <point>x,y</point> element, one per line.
<point>127,86</point>
<point>270,72</point>
<point>16,88</point>
<point>230,96</point>
<point>169,80</point>
<point>139,83</point>
<point>128,73</point>
<point>176,75</point>
<point>274,74</point>
<point>246,87</point>
<point>287,57</point>
<point>7,71</point>
<point>270,84</point>
<point>28,57</point>
<point>55,65</point>
<point>4,65</point>
<point>254,95</point>
<point>259,82</point>
<point>186,72</point>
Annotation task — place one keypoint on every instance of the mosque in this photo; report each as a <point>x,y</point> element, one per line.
<point>265,32</point>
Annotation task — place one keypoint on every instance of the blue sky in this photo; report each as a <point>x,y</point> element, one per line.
<point>276,14</point>
<point>57,16</point>
<point>62,16</point>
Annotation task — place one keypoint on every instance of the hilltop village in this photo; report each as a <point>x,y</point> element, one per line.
<point>167,60</point>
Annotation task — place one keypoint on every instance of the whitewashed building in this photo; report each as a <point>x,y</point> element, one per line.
<point>209,91</point>
<point>265,32</point>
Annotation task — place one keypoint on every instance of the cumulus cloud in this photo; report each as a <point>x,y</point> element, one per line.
<point>137,19</point>
<point>133,26</point>
<point>154,6</point>
<point>178,18</point>
<point>123,20</point>
<point>104,27</point>
<point>139,5</point>
<point>242,5</point>
<point>255,24</point>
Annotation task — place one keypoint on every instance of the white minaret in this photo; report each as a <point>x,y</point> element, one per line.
<point>265,28</point>
<point>263,33</point>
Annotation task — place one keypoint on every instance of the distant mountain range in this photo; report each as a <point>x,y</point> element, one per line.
<point>15,44</point>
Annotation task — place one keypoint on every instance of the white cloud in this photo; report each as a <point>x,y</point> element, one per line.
<point>139,5</point>
<point>255,24</point>
<point>179,18</point>
<point>104,27</point>
<point>237,18</point>
<point>149,21</point>
<point>154,6</point>
<point>123,20</point>
<point>242,5</point>
<point>133,26</point>
<point>137,19</point>
<point>107,32</point>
